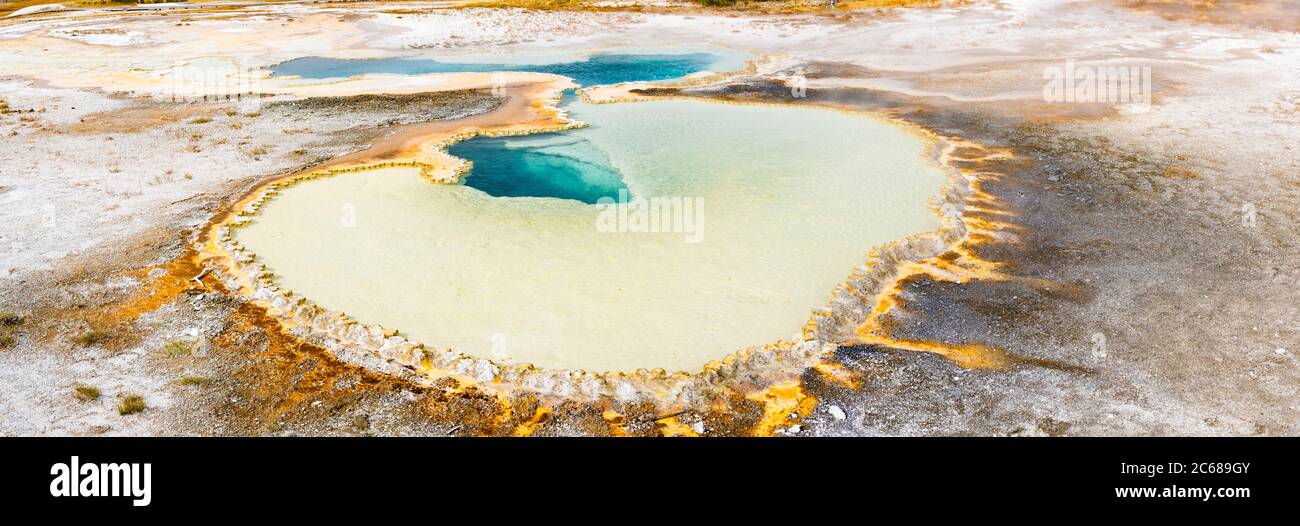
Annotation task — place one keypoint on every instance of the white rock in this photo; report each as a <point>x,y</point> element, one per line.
<point>836,412</point>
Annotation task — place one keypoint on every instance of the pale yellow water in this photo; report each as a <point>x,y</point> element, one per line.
<point>793,199</point>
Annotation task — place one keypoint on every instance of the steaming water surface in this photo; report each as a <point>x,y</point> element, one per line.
<point>793,199</point>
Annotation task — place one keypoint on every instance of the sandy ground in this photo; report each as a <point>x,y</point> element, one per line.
<point>1173,224</point>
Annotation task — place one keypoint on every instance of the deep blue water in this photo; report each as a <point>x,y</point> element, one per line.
<point>556,165</point>
<point>594,70</point>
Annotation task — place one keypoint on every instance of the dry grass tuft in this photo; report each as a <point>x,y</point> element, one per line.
<point>85,393</point>
<point>130,404</point>
<point>178,347</point>
<point>90,337</point>
<point>11,318</point>
<point>194,380</point>
<point>9,322</point>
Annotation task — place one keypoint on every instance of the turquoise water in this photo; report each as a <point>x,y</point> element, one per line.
<point>560,165</point>
<point>611,68</point>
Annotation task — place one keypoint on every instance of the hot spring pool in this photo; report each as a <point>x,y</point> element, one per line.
<point>789,201</point>
<point>585,70</point>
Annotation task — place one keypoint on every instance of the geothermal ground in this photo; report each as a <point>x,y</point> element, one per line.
<point>1127,268</point>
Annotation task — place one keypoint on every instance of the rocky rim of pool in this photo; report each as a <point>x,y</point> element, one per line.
<point>850,317</point>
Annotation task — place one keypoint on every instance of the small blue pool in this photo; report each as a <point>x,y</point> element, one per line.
<point>597,69</point>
